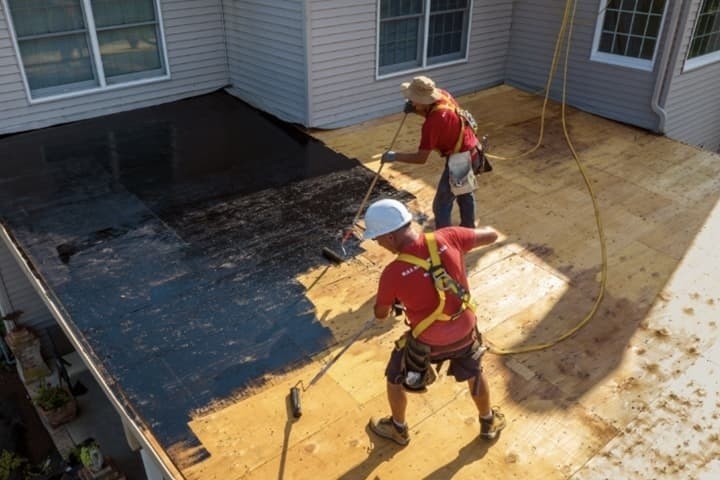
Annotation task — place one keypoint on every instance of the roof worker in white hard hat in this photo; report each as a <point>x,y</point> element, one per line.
<point>450,131</point>
<point>435,296</point>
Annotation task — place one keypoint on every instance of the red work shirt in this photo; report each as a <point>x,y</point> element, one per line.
<point>414,286</point>
<point>441,130</point>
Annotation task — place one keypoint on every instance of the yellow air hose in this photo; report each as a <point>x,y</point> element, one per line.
<point>567,23</point>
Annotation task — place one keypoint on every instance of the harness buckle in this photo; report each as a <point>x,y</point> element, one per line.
<point>442,280</point>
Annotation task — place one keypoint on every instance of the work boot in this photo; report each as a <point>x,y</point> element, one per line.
<point>489,429</point>
<point>386,428</point>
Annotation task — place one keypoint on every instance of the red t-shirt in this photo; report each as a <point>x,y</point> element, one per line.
<point>414,287</point>
<point>441,130</point>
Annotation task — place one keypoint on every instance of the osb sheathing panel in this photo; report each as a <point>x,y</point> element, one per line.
<point>632,394</point>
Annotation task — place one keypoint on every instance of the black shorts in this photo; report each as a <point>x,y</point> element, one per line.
<point>462,364</point>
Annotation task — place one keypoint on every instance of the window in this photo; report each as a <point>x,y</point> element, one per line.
<point>67,46</point>
<point>415,34</point>
<point>627,32</point>
<point>705,43</point>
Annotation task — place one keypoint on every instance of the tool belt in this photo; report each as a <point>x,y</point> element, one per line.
<point>438,350</point>
<point>417,371</point>
<point>418,359</point>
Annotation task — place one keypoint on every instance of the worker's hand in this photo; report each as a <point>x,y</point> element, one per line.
<point>409,107</point>
<point>388,157</point>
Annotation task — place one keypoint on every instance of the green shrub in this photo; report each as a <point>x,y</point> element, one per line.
<point>11,463</point>
<point>51,397</point>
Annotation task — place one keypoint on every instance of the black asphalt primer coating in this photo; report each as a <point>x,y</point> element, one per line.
<point>171,238</point>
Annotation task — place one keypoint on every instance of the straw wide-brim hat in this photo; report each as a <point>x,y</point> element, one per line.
<point>421,90</point>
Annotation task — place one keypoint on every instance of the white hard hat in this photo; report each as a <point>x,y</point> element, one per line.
<point>385,216</point>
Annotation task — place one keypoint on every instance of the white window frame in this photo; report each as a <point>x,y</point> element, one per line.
<point>621,60</point>
<point>94,55</point>
<point>426,25</point>
<point>701,60</point>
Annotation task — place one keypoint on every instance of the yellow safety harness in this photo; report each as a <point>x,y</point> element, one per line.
<point>448,105</point>
<point>443,283</point>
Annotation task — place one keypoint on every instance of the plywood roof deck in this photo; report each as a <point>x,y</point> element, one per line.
<point>634,394</point>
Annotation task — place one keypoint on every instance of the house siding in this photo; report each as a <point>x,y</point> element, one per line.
<point>20,293</point>
<point>266,55</point>
<point>693,102</point>
<point>342,49</point>
<point>197,63</point>
<point>619,93</point>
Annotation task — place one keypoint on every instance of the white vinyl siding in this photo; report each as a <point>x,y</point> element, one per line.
<point>693,100</point>
<point>197,64</point>
<point>342,49</point>
<point>612,91</point>
<point>266,55</point>
<point>20,293</point>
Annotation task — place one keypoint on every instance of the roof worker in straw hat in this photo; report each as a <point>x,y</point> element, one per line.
<point>451,131</point>
<point>439,310</point>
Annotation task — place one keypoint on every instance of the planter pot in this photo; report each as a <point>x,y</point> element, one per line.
<point>25,346</point>
<point>60,415</point>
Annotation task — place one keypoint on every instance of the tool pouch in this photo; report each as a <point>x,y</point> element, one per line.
<point>417,370</point>
<point>481,164</point>
<point>461,174</point>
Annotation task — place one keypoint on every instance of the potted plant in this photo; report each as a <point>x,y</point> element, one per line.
<point>57,404</point>
<point>12,466</point>
<point>91,456</point>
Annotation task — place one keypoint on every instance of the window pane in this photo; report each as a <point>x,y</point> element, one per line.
<point>54,46</point>
<point>633,47</point>
<point>399,42</point>
<point>706,37</point>
<point>51,62</point>
<point>620,44</point>
<point>444,5</point>
<point>112,12</point>
<point>129,50</point>
<point>398,8</point>
<point>648,48</point>
<point>38,17</point>
<point>446,33</point>
<point>128,39</point>
<point>639,25</point>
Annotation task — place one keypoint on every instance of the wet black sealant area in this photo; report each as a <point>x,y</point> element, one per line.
<point>171,237</point>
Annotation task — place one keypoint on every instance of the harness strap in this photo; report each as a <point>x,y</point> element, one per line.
<point>442,282</point>
<point>447,104</point>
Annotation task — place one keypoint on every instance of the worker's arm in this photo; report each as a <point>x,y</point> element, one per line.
<point>420,157</point>
<point>484,236</point>
<point>382,311</point>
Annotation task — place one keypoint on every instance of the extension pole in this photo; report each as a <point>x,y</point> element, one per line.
<point>340,353</point>
<point>372,185</point>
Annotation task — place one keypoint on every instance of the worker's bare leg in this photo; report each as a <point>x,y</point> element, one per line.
<point>482,399</point>
<point>398,401</point>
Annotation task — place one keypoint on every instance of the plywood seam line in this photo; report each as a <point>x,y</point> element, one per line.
<point>570,5</point>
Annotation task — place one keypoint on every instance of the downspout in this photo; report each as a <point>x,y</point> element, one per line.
<point>307,25</point>
<point>225,42</point>
<point>665,74</point>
